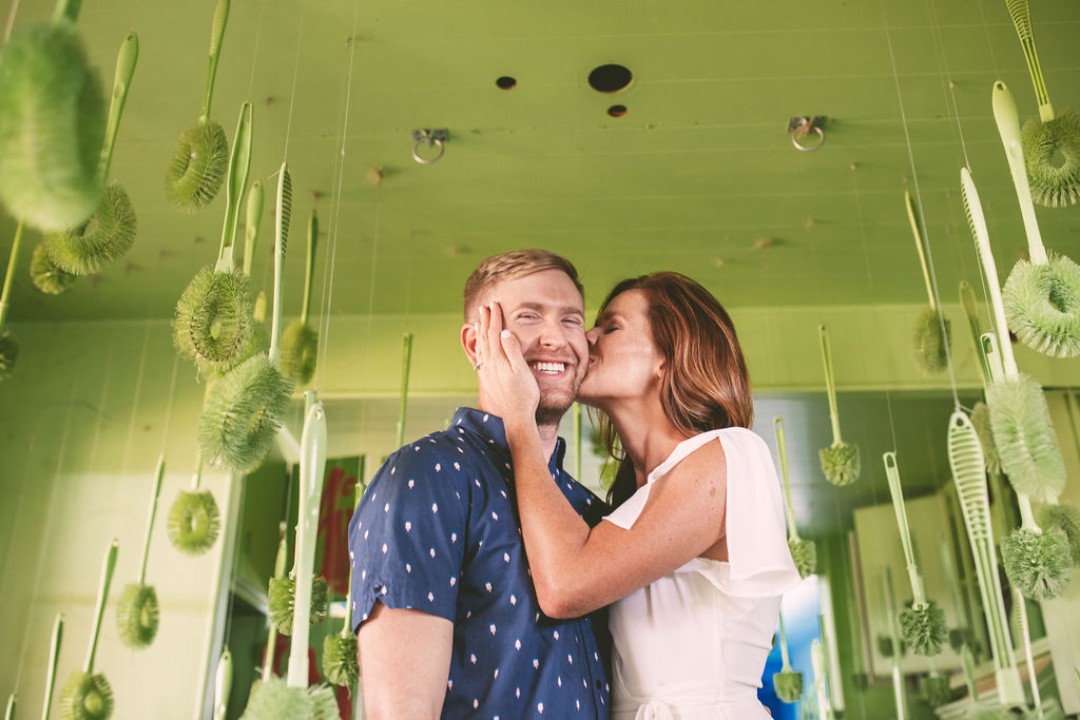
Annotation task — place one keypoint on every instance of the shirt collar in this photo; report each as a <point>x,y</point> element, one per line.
<point>490,427</point>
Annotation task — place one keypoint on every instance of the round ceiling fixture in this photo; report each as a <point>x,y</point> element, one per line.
<point>610,78</point>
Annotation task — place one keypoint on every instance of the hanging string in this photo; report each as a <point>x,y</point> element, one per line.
<point>296,74</point>
<point>921,214</point>
<point>135,398</point>
<point>169,405</point>
<point>339,182</point>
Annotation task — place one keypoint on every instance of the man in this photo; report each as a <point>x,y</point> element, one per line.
<point>448,620</point>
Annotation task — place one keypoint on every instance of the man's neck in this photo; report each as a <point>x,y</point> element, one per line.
<point>549,436</point>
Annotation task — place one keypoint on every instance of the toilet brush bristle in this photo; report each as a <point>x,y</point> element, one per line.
<point>930,341</point>
<point>274,699</point>
<point>936,690</point>
<point>100,241</point>
<point>138,614</point>
<point>282,595</point>
<point>788,685</point>
<point>1042,304</point>
<point>194,522</point>
<point>841,464</point>
<point>9,353</point>
<point>1052,159</point>
<point>198,167</point>
<point>1067,518</point>
<point>804,553</point>
<point>923,629</point>
<point>1025,438</point>
<point>299,352</point>
<point>1038,564</point>
<point>213,316</point>
<point>46,276</point>
<point>339,660</point>
<point>86,696</point>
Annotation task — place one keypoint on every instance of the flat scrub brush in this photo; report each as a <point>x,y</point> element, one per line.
<point>44,273</point>
<point>243,410</point>
<point>87,695</point>
<point>201,157</point>
<point>788,683</point>
<point>282,595</point>
<point>930,339</point>
<point>1042,293</point>
<point>340,663</point>
<point>1067,518</point>
<point>194,521</point>
<point>803,552</point>
<point>923,625</point>
<point>88,248</point>
<point>1053,183</point>
<point>300,343</point>
<point>213,315</point>
<point>840,461</point>
<point>52,122</point>
<point>138,612</point>
<point>9,347</point>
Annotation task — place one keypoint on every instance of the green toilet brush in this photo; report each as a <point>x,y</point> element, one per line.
<point>803,552</point>
<point>1067,518</point>
<point>1053,183</point>
<point>138,611</point>
<point>300,341</point>
<point>52,122</point>
<point>86,694</point>
<point>194,519</point>
<point>788,683</point>
<point>923,625</point>
<point>840,461</point>
<point>936,689</point>
<point>213,315</point>
<point>108,234</point>
<point>292,699</point>
<point>223,685</point>
<point>9,347</point>
<point>930,338</point>
<point>243,410</point>
<point>1042,293</point>
<point>199,162</point>
<point>45,275</point>
<point>271,639</point>
<point>282,594</point>
<point>54,660</point>
<point>340,662</point>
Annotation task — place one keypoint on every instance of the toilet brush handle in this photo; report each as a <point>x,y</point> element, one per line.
<point>1008,123</point>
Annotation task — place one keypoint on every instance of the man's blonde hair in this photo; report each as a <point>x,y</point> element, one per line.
<point>512,265</point>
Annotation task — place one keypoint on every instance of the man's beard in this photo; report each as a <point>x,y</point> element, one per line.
<point>551,409</point>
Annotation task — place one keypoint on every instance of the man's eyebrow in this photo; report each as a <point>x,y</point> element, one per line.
<point>540,307</point>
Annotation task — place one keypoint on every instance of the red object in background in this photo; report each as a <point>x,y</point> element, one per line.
<point>334,515</point>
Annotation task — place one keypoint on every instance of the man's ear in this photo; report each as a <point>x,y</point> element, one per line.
<point>468,342</point>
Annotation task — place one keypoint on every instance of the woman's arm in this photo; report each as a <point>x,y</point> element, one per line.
<point>577,569</point>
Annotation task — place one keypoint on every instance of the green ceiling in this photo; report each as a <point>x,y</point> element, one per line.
<point>698,176</point>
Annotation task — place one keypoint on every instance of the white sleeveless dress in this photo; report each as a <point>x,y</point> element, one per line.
<point>693,644</point>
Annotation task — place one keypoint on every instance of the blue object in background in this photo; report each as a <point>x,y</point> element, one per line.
<point>801,610</point>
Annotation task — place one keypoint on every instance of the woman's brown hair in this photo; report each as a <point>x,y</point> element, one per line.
<point>704,384</point>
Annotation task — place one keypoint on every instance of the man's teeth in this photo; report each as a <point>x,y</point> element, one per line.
<point>550,367</point>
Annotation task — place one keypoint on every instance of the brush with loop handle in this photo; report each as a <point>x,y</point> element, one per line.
<point>840,460</point>
<point>931,334</point>
<point>803,552</point>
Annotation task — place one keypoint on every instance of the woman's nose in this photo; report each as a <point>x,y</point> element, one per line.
<point>592,336</point>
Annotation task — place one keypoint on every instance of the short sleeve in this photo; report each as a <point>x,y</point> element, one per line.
<point>407,538</point>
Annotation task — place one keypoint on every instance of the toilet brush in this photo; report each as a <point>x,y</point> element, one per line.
<point>1067,518</point>
<point>194,519</point>
<point>46,276</point>
<point>300,341</point>
<point>282,594</point>
<point>271,638</point>
<point>199,162</point>
<point>9,347</point>
<point>90,246</point>
<point>52,122</point>
<point>1053,183</point>
<point>788,683</point>
<point>840,461</point>
<point>936,689</point>
<point>339,651</point>
<point>292,699</point>
<point>138,611</point>
<point>54,659</point>
<point>223,684</point>
<point>243,410</point>
<point>803,552</point>
<point>1038,562</point>
<point>923,625</point>
<point>1042,293</point>
<point>86,694</point>
<point>213,315</point>
<point>930,339</point>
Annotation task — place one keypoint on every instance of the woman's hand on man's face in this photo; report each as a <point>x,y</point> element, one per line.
<point>507,386</point>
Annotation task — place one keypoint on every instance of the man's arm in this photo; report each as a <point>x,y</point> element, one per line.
<point>405,662</point>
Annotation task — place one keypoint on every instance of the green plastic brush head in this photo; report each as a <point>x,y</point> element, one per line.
<point>1038,564</point>
<point>52,126</point>
<point>282,602</point>
<point>339,660</point>
<point>194,522</point>
<point>1042,305</point>
<point>841,464</point>
<point>86,696</point>
<point>1052,159</point>
<point>242,414</point>
<point>100,241</point>
<point>788,685</point>
<point>923,629</point>
<point>1025,438</point>
<point>804,553</point>
<point>936,690</point>
<point>198,166</point>
<point>1067,518</point>
<point>47,277</point>
<point>275,700</point>
<point>980,419</point>
<point>9,353</point>
<point>137,615</point>
<point>213,317</point>
<point>299,352</point>
<point>930,341</point>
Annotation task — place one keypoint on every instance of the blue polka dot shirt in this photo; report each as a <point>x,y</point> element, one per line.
<point>437,531</point>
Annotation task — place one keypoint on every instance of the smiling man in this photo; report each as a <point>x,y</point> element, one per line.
<point>447,619</point>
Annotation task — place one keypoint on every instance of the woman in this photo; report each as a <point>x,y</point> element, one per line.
<point>694,557</point>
